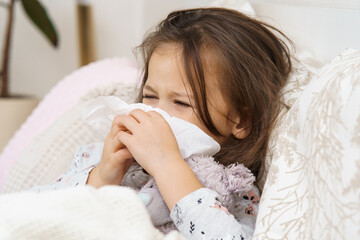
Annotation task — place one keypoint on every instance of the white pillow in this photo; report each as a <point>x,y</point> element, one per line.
<point>304,66</point>
<point>61,98</point>
<point>312,189</point>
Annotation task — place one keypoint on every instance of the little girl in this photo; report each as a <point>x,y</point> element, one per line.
<point>215,68</point>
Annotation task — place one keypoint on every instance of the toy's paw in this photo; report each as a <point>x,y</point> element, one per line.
<point>145,197</point>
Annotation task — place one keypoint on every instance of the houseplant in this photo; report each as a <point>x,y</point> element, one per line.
<point>11,106</point>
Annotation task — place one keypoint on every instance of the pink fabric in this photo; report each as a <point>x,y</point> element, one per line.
<point>61,98</point>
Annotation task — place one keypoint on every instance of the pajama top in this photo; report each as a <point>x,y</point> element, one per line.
<point>199,215</point>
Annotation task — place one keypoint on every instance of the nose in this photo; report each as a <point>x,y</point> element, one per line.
<point>163,105</point>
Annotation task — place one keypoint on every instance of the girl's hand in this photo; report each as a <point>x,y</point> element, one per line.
<point>152,143</point>
<point>149,139</point>
<point>115,160</point>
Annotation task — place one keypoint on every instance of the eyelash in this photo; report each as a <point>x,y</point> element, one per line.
<point>176,102</point>
<point>182,104</point>
<point>147,96</point>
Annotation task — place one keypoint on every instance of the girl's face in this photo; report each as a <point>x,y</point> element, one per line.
<point>167,88</point>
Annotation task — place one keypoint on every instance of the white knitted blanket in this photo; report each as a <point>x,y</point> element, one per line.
<point>84,212</point>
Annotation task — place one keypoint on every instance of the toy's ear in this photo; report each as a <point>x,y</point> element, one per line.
<point>241,128</point>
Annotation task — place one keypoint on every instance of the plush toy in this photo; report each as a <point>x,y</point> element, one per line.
<point>229,182</point>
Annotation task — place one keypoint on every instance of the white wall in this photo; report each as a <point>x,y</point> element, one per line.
<point>317,25</point>
<point>120,25</point>
<point>35,66</point>
<point>322,27</point>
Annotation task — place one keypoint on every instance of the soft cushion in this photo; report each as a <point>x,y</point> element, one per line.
<point>304,66</point>
<point>50,153</point>
<point>312,189</point>
<point>107,213</point>
<point>63,97</point>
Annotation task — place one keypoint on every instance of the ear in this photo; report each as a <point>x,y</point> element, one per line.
<point>241,128</point>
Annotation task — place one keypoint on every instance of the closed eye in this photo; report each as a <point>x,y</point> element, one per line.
<point>182,104</point>
<point>149,96</point>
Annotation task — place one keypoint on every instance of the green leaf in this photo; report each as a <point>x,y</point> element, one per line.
<point>38,15</point>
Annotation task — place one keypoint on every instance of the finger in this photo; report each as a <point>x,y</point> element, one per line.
<point>128,122</point>
<point>156,115</point>
<point>124,137</point>
<point>123,154</point>
<point>139,115</point>
<point>115,127</point>
<point>114,142</point>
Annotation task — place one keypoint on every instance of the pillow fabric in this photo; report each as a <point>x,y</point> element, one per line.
<point>63,97</point>
<point>50,153</point>
<point>312,189</point>
<point>304,66</point>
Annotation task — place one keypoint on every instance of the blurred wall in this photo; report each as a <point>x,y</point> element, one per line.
<point>35,66</point>
<point>323,27</point>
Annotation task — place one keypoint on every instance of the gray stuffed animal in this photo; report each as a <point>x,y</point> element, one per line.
<point>226,181</point>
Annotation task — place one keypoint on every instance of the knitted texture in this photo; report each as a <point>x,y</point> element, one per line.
<point>63,97</point>
<point>77,213</point>
<point>51,153</point>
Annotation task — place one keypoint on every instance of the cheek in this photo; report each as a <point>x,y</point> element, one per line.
<point>185,114</point>
<point>192,118</point>
<point>148,101</point>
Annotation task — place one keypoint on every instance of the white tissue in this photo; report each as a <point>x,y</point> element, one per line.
<point>100,112</point>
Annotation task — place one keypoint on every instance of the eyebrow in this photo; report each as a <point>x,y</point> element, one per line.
<point>173,93</point>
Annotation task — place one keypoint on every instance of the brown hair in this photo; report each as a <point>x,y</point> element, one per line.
<point>252,66</point>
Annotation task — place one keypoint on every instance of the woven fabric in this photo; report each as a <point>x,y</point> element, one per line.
<point>63,97</point>
<point>312,189</point>
<point>77,213</point>
<point>50,154</point>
